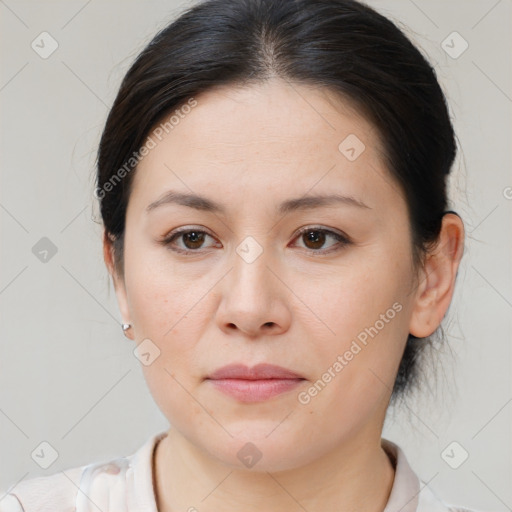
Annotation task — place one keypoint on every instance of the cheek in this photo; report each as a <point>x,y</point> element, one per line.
<point>348,301</point>
<point>163,300</point>
<point>169,317</point>
<point>174,397</point>
<point>355,376</point>
<point>172,376</point>
<point>358,344</point>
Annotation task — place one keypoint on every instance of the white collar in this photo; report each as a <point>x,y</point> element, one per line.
<point>408,494</point>
<point>125,484</point>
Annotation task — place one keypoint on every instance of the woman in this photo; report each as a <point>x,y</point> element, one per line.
<point>272,182</point>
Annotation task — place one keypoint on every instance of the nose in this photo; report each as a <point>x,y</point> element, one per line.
<point>254,299</point>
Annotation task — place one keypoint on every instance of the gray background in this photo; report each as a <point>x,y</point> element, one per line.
<point>68,375</point>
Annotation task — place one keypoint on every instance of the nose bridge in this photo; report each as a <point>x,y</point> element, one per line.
<point>252,295</point>
<point>250,276</point>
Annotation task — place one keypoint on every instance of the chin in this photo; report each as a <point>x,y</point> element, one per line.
<point>257,451</point>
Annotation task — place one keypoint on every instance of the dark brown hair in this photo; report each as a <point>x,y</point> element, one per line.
<point>342,45</point>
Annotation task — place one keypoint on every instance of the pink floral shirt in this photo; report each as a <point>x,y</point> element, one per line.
<point>125,484</point>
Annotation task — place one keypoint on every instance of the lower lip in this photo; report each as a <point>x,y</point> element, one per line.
<point>255,390</point>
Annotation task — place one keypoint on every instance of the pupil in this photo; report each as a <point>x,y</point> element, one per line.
<point>315,239</point>
<point>194,237</point>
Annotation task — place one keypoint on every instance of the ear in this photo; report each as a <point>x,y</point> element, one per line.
<point>437,280</point>
<point>119,285</point>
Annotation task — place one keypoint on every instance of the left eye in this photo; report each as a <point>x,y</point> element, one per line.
<point>315,238</point>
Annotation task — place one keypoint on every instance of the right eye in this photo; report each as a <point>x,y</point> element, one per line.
<point>193,239</point>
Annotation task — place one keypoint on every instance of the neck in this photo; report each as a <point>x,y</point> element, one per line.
<point>355,476</point>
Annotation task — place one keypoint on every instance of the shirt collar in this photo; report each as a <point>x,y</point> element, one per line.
<point>406,485</point>
<point>403,496</point>
<point>142,475</point>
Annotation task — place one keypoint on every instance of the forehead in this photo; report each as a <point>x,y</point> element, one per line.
<point>276,112</point>
<point>276,136</point>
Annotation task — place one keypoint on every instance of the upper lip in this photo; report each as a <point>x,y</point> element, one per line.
<point>260,371</point>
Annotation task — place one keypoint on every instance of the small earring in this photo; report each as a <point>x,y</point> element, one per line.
<point>126,327</point>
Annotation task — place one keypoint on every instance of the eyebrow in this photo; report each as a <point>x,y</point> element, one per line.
<point>308,202</point>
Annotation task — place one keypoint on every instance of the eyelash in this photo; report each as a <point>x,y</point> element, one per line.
<point>343,240</point>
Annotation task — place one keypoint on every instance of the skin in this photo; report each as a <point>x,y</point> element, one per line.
<point>251,148</point>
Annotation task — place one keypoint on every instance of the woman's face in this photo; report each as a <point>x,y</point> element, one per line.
<point>251,289</point>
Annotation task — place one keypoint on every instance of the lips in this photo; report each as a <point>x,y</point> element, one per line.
<point>256,384</point>
<point>261,371</point>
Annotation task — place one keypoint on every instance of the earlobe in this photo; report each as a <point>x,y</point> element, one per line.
<point>437,283</point>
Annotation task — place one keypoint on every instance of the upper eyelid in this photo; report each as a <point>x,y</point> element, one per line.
<point>179,231</point>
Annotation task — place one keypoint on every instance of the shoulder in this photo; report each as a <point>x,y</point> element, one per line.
<point>409,492</point>
<point>54,493</point>
<point>123,483</point>
<point>102,482</point>
<point>430,502</point>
